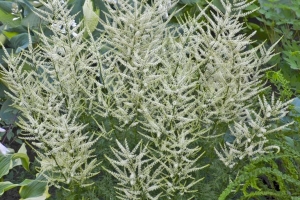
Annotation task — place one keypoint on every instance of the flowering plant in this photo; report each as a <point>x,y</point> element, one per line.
<point>170,92</point>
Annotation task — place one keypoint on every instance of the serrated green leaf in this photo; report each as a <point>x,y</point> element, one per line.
<point>294,64</point>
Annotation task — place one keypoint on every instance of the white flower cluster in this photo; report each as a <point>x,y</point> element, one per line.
<point>60,21</point>
<point>164,8</point>
<point>135,172</point>
<point>251,133</point>
<point>146,80</point>
<point>61,27</point>
<point>16,11</point>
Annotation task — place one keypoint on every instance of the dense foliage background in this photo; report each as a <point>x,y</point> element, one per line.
<point>267,178</point>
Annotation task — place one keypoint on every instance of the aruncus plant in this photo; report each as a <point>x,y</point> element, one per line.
<point>163,89</point>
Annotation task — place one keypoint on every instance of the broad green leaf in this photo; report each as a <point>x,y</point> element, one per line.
<point>20,42</point>
<point>34,21</point>
<point>12,32</point>
<point>22,149</point>
<point>77,9</point>
<point>90,16</point>
<point>4,186</point>
<point>24,160</point>
<point>35,189</point>
<point>7,112</point>
<point>9,35</point>
<point>2,39</point>
<point>25,182</point>
<point>5,14</point>
<point>289,141</point>
<point>5,164</point>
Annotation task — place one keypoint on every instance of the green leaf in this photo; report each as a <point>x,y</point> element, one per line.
<point>20,42</point>
<point>293,63</point>
<point>34,21</point>
<point>296,108</point>
<point>25,182</point>
<point>76,10</point>
<point>5,164</point>
<point>24,160</point>
<point>9,35</point>
<point>90,16</point>
<point>2,88</point>
<point>4,186</point>
<point>12,32</point>
<point>34,189</point>
<point>289,141</point>
<point>7,112</point>
<point>189,1</point>
<point>23,149</point>
<point>2,39</point>
<point>6,16</point>
<point>254,26</point>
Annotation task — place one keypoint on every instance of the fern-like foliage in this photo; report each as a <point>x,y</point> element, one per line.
<point>275,176</point>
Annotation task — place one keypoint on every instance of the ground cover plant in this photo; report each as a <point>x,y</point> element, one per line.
<point>142,108</point>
